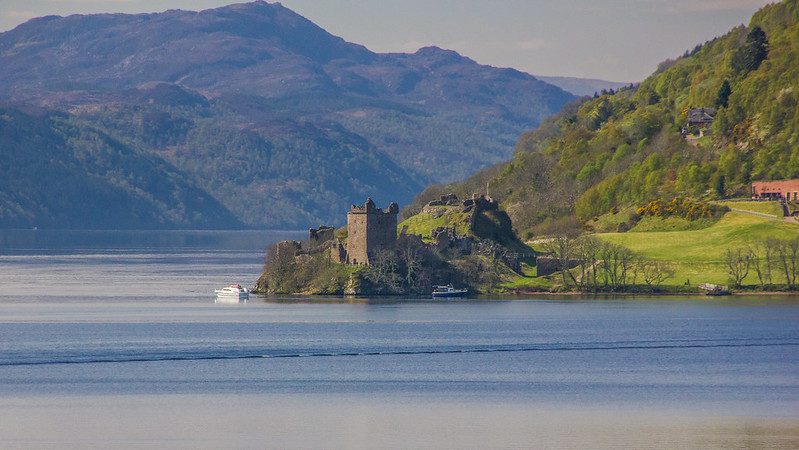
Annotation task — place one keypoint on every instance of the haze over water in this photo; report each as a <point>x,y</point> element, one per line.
<point>113,340</point>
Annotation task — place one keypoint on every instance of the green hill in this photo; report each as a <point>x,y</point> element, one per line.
<point>59,173</point>
<point>698,256</point>
<point>279,120</point>
<point>625,148</point>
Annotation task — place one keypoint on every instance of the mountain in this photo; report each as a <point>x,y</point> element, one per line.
<point>582,86</point>
<point>81,177</point>
<point>281,122</point>
<point>622,150</point>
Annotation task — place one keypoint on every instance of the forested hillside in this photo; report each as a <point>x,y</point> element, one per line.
<point>79,177</point>
<point>625,148</point>
<point>283,123</point>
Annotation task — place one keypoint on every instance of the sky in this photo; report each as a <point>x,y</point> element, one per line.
<point>618,40</point>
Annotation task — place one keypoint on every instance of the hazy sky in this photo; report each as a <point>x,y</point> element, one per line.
<point>619,40</point>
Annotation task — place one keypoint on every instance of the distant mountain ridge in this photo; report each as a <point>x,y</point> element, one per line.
<point>79,165</point>
<point>281,122</point>
<point>582,86</point>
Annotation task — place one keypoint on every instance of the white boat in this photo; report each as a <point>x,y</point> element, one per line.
<point>232,294</point>
<point>448,291</point>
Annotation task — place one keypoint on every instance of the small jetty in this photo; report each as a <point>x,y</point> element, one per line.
<point>714,289</point>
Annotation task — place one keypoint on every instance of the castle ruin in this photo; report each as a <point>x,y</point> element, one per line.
<point>369,230</point>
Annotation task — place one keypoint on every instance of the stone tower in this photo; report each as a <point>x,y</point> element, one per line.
<point>370,229</point>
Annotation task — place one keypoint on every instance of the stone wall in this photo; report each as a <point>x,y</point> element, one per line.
<point>319,236</point>
<point>288,249</point>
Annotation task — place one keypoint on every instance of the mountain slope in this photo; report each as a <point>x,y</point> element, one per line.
<point>311,122</point>
<point>80,177</point>
<point>626,149</point>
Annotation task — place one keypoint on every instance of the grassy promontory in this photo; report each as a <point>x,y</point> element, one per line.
<point>745,247</point>
<point>468,244</point>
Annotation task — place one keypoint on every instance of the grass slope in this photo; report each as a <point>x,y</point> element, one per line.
<point>698,255</point>
<point>433,217</point>
<point>770,208</point>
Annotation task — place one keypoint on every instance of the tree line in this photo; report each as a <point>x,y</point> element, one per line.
<point>589,264</point>
<point>774,261</point>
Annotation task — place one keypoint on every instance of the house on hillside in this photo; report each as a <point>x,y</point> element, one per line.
<point>787,190</point>
<point>698,119</point>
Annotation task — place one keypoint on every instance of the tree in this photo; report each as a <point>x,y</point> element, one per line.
<point>656,272</point>
<point>562,249</point>
<point>495,254</point>
<point>787,253</point>
<point>382,272</point>
<point>615,261</point>
<point>720,186</point>
<point>723,95</point>
<point>749,56</point>
<point>412,257</point>
<point>738,262</point>
<point>280,268</point>
<point>586,253</point>
<point>764,259</point>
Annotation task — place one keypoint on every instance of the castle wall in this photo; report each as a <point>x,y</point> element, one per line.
<point>369,230</point>
<point>319,236</point>
<point>357,238</point>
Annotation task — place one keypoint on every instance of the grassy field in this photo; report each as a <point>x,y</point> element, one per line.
<point>763,207</point>
<point>431,218</point>
<point>650,224</point>
<point>698,254</point>
<point>529,282</point>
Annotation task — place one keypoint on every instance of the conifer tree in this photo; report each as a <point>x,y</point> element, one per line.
<point>723,95</point>
<point>749,56</point>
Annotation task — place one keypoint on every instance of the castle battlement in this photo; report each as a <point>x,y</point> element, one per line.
<point>370,208</point>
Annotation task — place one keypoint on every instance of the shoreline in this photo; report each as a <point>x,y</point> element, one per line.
<point>524,296</point>
<point>660,294</point>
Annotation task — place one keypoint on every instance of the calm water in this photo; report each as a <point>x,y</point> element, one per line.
<point>119,344</point>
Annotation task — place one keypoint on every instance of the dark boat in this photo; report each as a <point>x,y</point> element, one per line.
<point>448,292</point>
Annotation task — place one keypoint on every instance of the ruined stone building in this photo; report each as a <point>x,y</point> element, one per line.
<point>317,237</point>
<point>369,230</point>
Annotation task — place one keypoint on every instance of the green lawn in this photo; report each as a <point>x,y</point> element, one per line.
<point>764,207</point>
<point>529,281</point>
<point>698,254</point>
